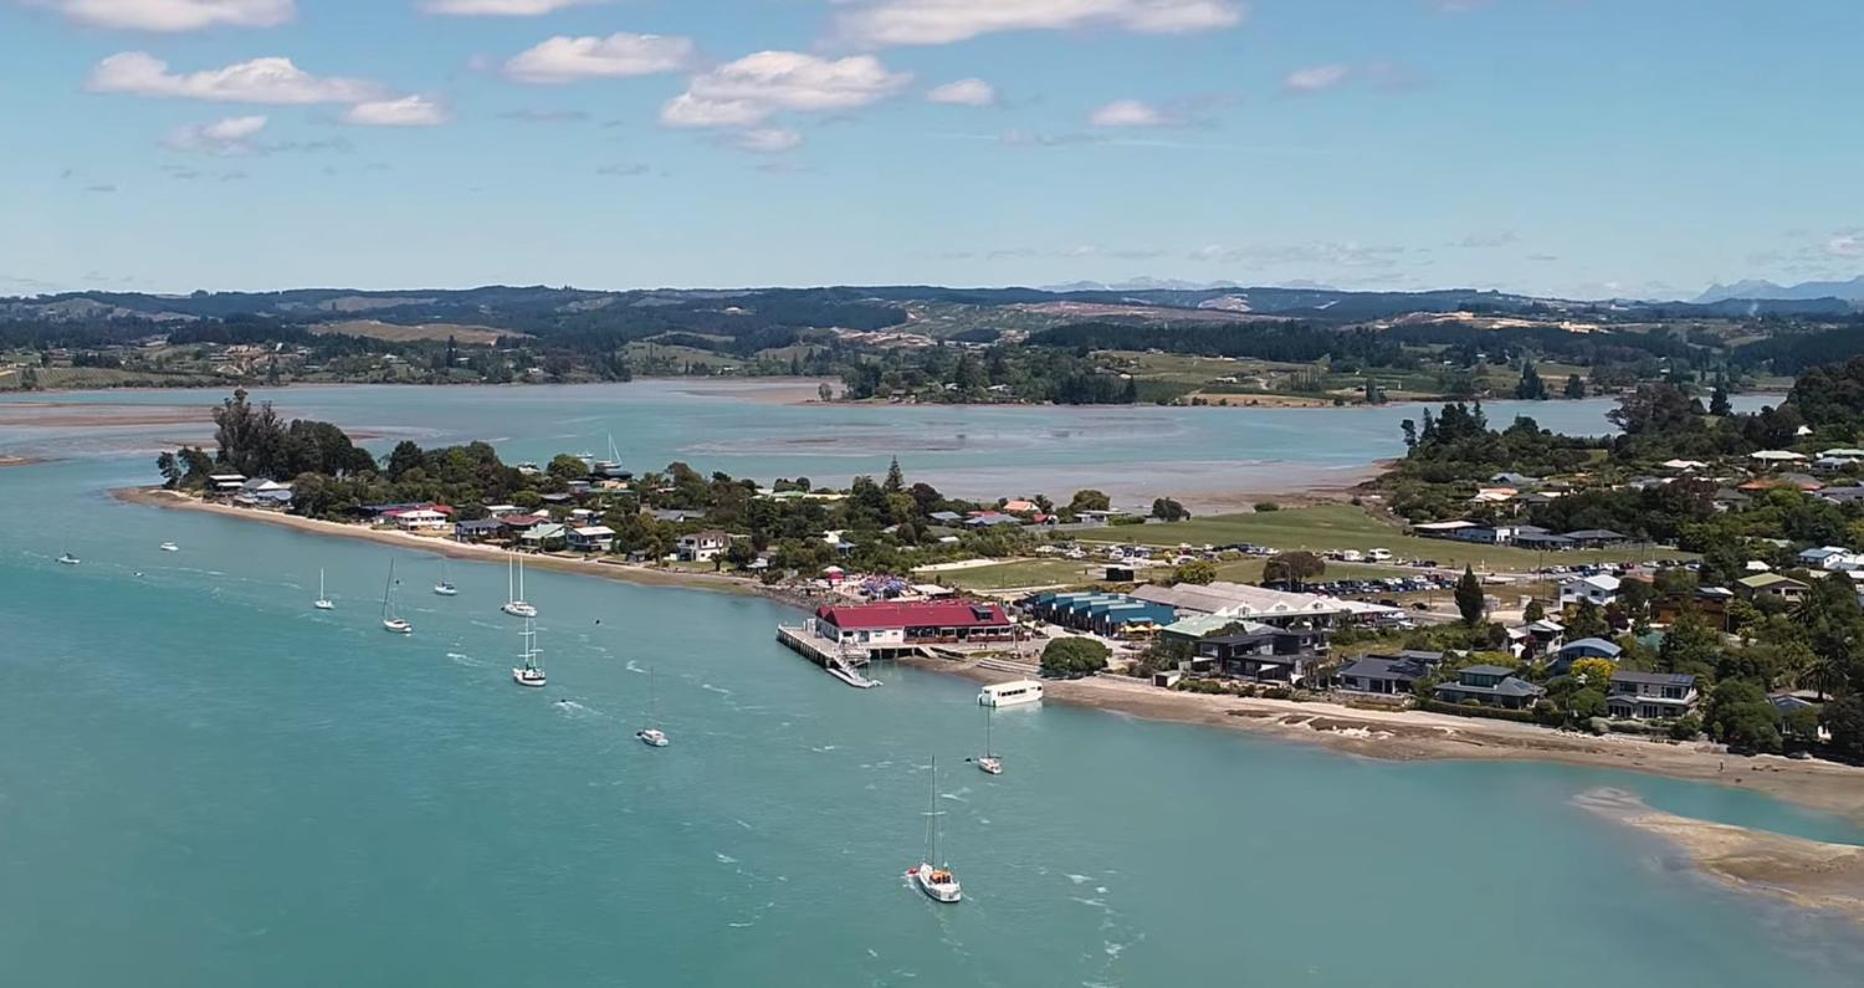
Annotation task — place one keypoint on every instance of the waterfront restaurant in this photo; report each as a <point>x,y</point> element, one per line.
<point>924,622</point>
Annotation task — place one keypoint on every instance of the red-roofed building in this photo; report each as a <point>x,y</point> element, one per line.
<point>921,622</point>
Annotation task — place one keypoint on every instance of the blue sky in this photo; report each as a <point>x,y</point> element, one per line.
<point>1576,147</point>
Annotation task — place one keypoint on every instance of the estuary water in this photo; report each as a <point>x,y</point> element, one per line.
<point>205,782</point>
<point>1134,453</point>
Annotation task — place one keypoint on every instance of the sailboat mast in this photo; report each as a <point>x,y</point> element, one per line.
<point>387,588</point>
<point>932,819</point>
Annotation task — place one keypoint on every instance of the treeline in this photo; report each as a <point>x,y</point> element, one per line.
<point>1287,342</point>
<point>958,374</point>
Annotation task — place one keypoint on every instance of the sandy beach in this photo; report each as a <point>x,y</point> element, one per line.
<point>604,569</point>
<point>78,415</point>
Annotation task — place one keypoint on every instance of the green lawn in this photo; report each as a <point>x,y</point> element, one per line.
<point>1340,526</point>
<point>1022,573</point>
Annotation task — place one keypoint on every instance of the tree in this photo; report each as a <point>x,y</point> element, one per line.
<point>1089,500</point>
<point>1198,572</point>
<point>170,469</point>
<point>1575,386</point>
<point>1740,717</point>
<point>1588,621</point>
<point>896,480</point>
<point>1690,646</point>
<point>1593,672</point>
<point>1471,602</point>
<point>1844,717</point>
<point>825,393</point>
<point>1586,704</point>
<point>1167,509</point>
<point>1293,568</point>
<point>404,457</point>
<point>1073,658</point>
<point>1530,387</point>
<point>566,468</point>
<point>1533,612</point>
<point>1719,405</point>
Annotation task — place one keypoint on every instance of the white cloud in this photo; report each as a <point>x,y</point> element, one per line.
<point>1846,245</point>
<point>769,140</point>
<point>565,59</point>
<point>937,22</point>
<point>262,80</point>
<point>407,111</point>
<point>499,8</point>
<point>965,92</point>
<point>174,15</point>
<point>228,135</point>
<point>1316,78</point>
<point>1129,113</point>
<point>751,89</point>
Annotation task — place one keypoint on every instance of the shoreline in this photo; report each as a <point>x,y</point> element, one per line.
<point>1412,735</point>
<point>619,572</point>
<point>1385,734</point>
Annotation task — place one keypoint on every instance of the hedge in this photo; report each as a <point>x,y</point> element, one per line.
<point>1466,710</point>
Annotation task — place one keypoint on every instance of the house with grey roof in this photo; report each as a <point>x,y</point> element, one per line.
<point>1651,695</point>
<point>1387,675</point>
<point>1584,648</point>
<point>1491,686</point>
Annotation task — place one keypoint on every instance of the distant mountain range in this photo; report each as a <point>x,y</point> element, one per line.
<point>1805,291</point>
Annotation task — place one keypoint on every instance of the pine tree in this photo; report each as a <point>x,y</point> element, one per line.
<point>1470,601</point>
<point>896,479</point>
<point>1575,386</point>
<point>1719,405</point>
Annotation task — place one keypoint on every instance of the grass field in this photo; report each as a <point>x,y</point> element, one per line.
<point>438,331</point>
<point>1332,527</point>
<point>1022,573</point>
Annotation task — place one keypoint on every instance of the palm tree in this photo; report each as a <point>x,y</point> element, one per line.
<point>1826,674</point>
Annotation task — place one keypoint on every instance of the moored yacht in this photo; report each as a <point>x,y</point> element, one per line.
<point>322,602</point>
<point>531,673</point>
<point>515,604</point>
<point>938,882</point>
<point>392,622</point>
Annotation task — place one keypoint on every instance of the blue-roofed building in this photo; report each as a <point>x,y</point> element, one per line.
<point>1110,614</point>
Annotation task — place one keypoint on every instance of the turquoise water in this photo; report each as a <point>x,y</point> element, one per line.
<point>208,783</point>
<point>1135,453</point>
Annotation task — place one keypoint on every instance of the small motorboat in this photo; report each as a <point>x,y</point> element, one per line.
<point>69,560</point>
<point>653,737</point>
<point>170,547</point>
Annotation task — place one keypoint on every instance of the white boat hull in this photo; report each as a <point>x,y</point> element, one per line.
<point>323,605</point>
<point>519,608</point>
<point>653,738</point>
<point>68,560</point>
<point>1010,694</point>
<point>398,627</point>
<point>527,677</point>
<point>170,547</point>
<point>938,891</point>
<point>447,590</point>
<point>990,764</point>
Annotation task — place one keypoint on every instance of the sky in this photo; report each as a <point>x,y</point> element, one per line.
<point>1580,148</point>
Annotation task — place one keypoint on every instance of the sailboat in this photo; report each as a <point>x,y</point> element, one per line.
<point>514,592</point>
<point>652,736</point>
<point>66,557</point>
<point>936,881</point>
<point>322,602</point>
<point>445,587</point>
<point>988,762</point>
<point>610,467</point>
<point>391,622</point>
<point>531,673</point>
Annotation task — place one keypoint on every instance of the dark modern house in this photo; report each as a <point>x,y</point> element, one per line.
<point>1491,686</point>
<point>1387,674</point>
<point>1651,695</point>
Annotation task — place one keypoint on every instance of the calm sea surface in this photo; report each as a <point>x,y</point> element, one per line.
<point>207,783</point>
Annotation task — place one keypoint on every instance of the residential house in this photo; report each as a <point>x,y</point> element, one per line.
<point>1709,603</point>
<point>1584,648</point>
<point>1843,495</point>
<point>1387,675</point>
<point>226,483</point>
<point>543,536</point>
<point>478,530</point>
<point>420,519</point>
<point>592,538</point>
<point>988,519</point>
<point>1772,585</point>
<point>1651,695</point>
<point>1601,589</point>
<point>946,517</point>
<point>702,547</point>
<point>1775,457</point>
<point>1490,686</point>
<point>1831,558</point>
<point>1267,654</point>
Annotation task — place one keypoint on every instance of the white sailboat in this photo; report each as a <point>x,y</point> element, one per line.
<point>390,621</point>
<point>937,881</point>
<point>322,602</point>
<point>988,762</point>
<point>515,604</point>
<point>610,467</point>
<point>445,587</point>
<point>531,673</point>
<point>67,558</point>
<point>652,736</point>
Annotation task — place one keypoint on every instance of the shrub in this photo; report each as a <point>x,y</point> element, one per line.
<point>1267,506</point>
<point>1072,658</point>
<point>1686,728</point>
